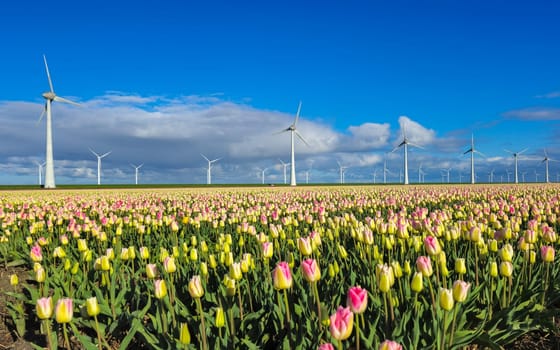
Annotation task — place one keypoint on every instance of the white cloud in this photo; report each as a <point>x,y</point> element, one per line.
<point>534,113</point>
<point>416,133</point>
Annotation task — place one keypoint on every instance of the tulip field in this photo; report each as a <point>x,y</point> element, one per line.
<point>370,267</point>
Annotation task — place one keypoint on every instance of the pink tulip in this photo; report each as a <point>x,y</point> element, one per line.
<point>341,323</point>
<point>311,271</point>
<point>547,253</point>
<point>36,254</point>
<point>282,276</point>
<point>424,265</point>
<point>432,246</point>
<point>357,299</point>
<point>390,345</point>
<point>326,346</point>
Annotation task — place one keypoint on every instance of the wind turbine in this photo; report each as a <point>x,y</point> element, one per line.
<point>491,176</point>
<point>545,161</point>
<point>49,97</point>
<point>342,169</point>
<point>472,151</point>
<point>375,175</point>
<point>405,142</point>
<point>385,171</point>
<point>136,171</point>
<point>262,173</point>
<point>293,131</point>
<point>306,173</point>
<point>448,171</point>
<point>515,156</point>
<point>40,169</point>
<point>285,165</point>
<point>99,157</point>
<point>209,171</point>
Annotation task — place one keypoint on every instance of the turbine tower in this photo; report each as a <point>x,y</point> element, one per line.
<point>49,97</point>
<point>209,170</point>
<point>405,142</point>
<point>136,172</point>
<point>472,151</point>
<point>293,131</point>
<point>285,165</point>
<point>40,170</point>
<point>99,157</point>
<point>342,169</point>
<point>545,161</point>
<point>262,173</point>
<point>448,173</point>
<point>515,156</point>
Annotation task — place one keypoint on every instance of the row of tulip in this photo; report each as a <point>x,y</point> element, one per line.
<point>388,268</point>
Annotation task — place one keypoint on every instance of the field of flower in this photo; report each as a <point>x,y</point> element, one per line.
<point>430,267</point>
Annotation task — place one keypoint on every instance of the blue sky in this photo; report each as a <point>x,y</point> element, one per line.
<point>162,82</point>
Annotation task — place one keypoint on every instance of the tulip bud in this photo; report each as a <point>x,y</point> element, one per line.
<point>424,265</point>
<point>203,269</point>
<point>432,246</point>
<point>282,276</point>
<point>547,253</point>
<point>82,245</point>
<point>460,290</point>
<point>506,253</point>
<point>14,280</point>
<point>493,269</point>
<point>144,253</point>
<point>184,334</point>
<point>357,299</point>
<point>220,317</point>
<point>310,269</point>
<point>64,310</point>
<point>417,283</point>
<point>506,269</point>
<point>92,307</point>
<point>235,271</point>
<point>446,301</point>
<point>169,265</point>
<point>230,286</point>
<point>151,271</point>
<point>44,308</point>
<point>341,323</point>
<point>195,287</point>
<point>390,345</point>
<point>40,275</point>
<point>460,266</point>
<point>160,289</point>
<point>36,254</point>
<point>304,246</point>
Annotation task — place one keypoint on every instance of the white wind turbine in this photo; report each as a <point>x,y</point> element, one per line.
<point>515,156</point>
<point>342,170</point>
<point>293,131</point>
<point>448,172</point>
<point>99,157</point>
<point>40,170</point>
<point>385,171</point>
<point>50,96</point>
<point>262,173</point>
<point>209,170</point>
<point>136,172</point>
<point>545,161</point>
<point>307,172</point>
<point>472,151</point>
<point>405,142</point>
<point>285,165</point>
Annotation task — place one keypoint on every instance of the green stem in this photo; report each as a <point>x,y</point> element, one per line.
<point>202,324</point>
<point>287,306</point>
<point>98,335</point>
<point>316,292</point>
<point>442,344</point>
<point>357,332</point>
<point>66,341</point>
<point>163,318</point>
<point>48,327</point>
<point>453,326</point>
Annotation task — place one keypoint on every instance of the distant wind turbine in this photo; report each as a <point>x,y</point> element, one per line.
<point>342,169</point>
<point>293,131</point>
<point>515,156</point>
<point>40,170</point>
<point>262,173</point>
<point>209,170</point>
<point>385,171</point>
<point>99,157</point>
<point>448,172</point>
<point>136,172</point>
<point>405,142</point>
<point>50,96</point>
<point>285,165</point>
<point>545,161</point>
<point>472,151</point>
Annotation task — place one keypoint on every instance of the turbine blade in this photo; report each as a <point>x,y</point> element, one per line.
<point>203,156</point>
<point>301,138</point>
<point>297,114</point>
<point>42,114</point>
<point>281,131</point>
<point>64,100</point>
<point>48,74</point>
<point>92,151</point>
<point>522,151</point>
<point>415,145</point>
<point>106,154</point>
